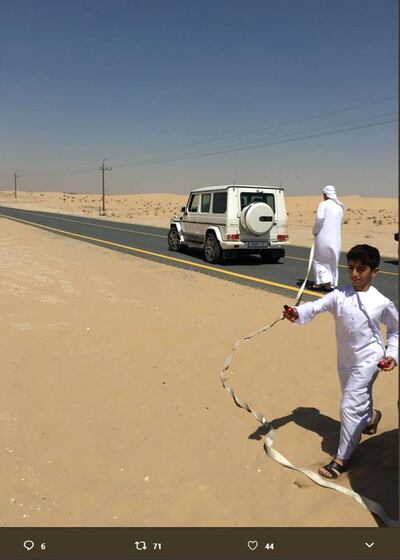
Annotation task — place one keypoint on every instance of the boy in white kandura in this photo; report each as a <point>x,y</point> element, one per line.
<point>358,310</point>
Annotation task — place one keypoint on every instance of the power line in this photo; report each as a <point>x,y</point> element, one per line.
<point>257,142</point>
<point>244,133</point>
<point>253,145</point>
<point>245,146</point>
<point>248,145</point>
<point>269,127</point>
<point>258,145</point>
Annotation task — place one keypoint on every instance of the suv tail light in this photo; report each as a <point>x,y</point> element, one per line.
<point>282,237</point>
<point>233,236</point>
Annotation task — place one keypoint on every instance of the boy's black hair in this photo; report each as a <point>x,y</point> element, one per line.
<point>365,254</point>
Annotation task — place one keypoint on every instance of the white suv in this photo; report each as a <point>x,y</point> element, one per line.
<point>232,220</point>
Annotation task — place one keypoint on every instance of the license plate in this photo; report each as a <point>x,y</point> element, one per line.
<point>258,244</point>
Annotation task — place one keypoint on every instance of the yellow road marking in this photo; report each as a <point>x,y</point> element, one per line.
<point>58,217</point>
<point>341,265</point>
<point>163,236</point>
<point>173,259</point>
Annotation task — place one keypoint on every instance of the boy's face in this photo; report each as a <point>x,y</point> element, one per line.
<point>361,275</point>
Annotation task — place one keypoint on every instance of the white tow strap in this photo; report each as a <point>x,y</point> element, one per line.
<point>370,505</point>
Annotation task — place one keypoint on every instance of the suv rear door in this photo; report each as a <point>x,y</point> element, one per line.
<point>248,196</point>
<point>203,217</point>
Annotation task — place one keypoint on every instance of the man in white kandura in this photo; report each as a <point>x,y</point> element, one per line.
<point>327,241</point>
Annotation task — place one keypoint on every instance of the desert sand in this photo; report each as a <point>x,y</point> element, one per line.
<point>367,220</point>
<point>111,408</point>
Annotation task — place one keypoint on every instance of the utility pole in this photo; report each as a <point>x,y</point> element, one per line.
<point>104,168</point>
<point>15,184</point>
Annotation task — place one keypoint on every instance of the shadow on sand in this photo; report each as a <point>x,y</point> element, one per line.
<point>374,465</point>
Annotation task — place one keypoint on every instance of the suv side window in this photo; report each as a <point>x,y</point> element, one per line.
<point>205,202</point>
<point>194,203</point>
<point>247,198</point>
<point>219,202</point>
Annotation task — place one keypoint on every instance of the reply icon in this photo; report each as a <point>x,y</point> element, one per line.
<point>29,545</point>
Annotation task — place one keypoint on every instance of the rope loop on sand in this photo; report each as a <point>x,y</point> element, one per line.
<point>365,502</point>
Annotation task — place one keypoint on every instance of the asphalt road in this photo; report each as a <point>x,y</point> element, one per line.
<point>151,243</point>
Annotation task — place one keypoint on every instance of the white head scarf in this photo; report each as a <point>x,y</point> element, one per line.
<point>330,192</point>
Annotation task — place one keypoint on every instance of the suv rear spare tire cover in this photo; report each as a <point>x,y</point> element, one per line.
<point>257,218</point>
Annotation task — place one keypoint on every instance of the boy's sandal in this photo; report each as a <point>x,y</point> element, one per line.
<point>372,428</point>
<point>335,469</point>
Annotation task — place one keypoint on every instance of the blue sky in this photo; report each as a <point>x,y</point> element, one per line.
<point>195,93</point>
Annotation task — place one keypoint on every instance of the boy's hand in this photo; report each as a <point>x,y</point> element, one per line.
<point>387,364</point>
<point>290,313</point>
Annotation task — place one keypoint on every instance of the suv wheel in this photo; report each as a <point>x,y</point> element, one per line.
<point>174,242</point>
<point>213,253</point>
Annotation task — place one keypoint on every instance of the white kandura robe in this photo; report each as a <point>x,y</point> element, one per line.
<point>327,231</point>
<point>358,316</point>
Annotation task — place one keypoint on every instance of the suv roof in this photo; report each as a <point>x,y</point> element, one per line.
<point>218,188</point>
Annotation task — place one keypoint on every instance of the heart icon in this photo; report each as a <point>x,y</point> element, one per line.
<point>252,545</point>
